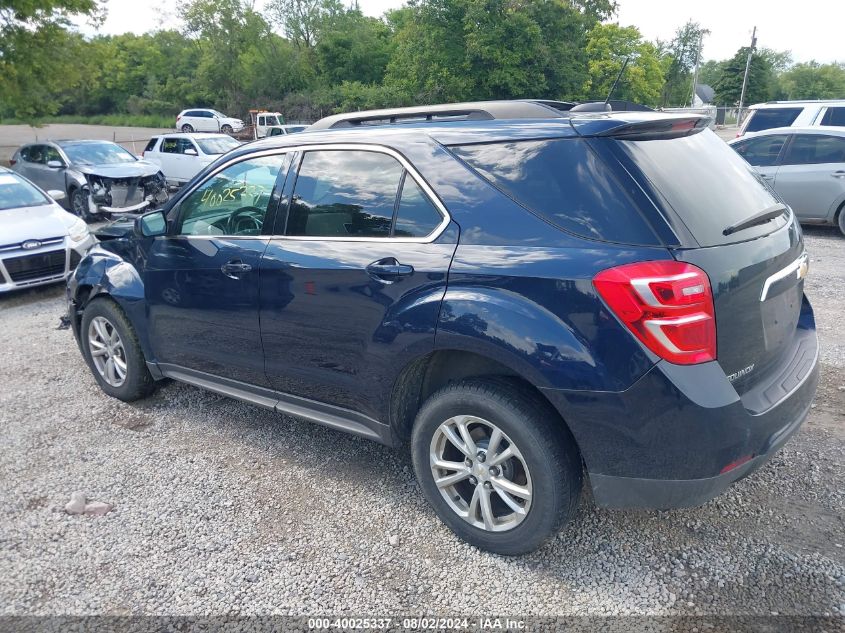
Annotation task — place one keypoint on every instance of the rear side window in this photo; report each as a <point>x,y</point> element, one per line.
<point>151,145</point>
<point>563,181</point>
<point>767,118</point>
<point>762,151</point>
<point>834,116</point>
<point>707,185</point>
<point>809,149</point>
<point>344,193</point>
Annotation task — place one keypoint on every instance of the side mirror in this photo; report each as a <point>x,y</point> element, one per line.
<point>55,164</point>
<point>190,152</point>
<point>57,194</point>
<point>151,224</point>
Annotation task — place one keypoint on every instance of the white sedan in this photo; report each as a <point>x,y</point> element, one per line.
<point>182,156</point>
<point>40,242</point>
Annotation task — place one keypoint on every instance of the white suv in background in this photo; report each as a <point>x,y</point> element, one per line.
<point>181,156</point>
<point>764,116</point>
<point>207,120</point>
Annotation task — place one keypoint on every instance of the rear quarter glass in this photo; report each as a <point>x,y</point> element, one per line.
<point>151,145</point>
<point>564,182</point>
<point>705,183</point>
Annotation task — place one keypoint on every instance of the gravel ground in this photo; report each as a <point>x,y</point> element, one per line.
<point>223,508</point>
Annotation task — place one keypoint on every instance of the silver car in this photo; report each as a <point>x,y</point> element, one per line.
<point>99,178</point>
<point>805,166</point>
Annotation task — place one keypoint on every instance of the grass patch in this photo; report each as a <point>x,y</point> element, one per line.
<point>116,120</point>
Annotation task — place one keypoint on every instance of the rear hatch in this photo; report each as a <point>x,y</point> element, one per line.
<point>756,272</point>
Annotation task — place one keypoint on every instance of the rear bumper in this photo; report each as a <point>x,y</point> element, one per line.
<point>672,439</point>
<point>630,492</point>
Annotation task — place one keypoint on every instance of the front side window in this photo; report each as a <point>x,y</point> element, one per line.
<point>344,193</point>
<point>762,151</point>
<point>234,201</point>
<point>810,149</point>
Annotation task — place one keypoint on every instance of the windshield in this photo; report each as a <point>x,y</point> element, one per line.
<point>292,129</point>
<point>219,114</point>
<point>217,144</point>
<point>706,183</point>
<point>16,192</point>
<point>102,153</point>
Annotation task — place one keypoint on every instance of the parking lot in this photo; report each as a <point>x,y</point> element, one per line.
<point>221,507</point>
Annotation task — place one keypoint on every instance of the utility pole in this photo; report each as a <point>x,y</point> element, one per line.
<point>745,77</point>
<point>697,62</point>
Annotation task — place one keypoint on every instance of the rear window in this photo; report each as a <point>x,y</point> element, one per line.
<point>767,118</point>
<point>707,184</point>
<point>565,182</point>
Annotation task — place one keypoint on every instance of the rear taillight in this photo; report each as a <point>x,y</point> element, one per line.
<point>668,305</point>
<point>12,162</point>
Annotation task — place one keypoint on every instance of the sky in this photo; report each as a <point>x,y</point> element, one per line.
<point>811,29</point>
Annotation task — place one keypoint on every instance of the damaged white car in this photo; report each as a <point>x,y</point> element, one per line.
<point>100,178</point>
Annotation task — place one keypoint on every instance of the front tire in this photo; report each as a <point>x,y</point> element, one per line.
<point>842,219</point>
<point>111,349</point>
<point>226,129</point>
<point>497,464</point>
<point>79,205</point>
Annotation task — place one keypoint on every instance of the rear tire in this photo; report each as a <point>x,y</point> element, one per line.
<point>187,129</point>
<point>111,349</point>
<point>526,497</point>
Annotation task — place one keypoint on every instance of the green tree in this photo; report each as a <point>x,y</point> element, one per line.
<point>607,47</point>
<point>682,52</point>
<point>812,80</point>
<point>37,54</point>
<point>352,47</point>
<point>729,85</point>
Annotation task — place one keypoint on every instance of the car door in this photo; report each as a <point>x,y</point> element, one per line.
<point>763,153</point>
<point>35,167</point>
<point>201,280</point>
<point>811,178</point>
<point>167,158</point>
<point>347,291</point>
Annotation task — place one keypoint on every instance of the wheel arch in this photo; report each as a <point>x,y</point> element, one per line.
<point>426,374</point>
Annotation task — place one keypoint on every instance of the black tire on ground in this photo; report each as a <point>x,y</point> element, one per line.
<point>187,128</point>
<point>79,205</point>
<point>548,449</point>
<point>138,382</point>
<point>226,129</point>
<point>842,219</point>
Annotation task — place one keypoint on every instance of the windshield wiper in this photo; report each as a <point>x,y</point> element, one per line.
<point>766,215</point>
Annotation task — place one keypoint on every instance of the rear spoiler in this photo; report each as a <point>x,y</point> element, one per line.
<point>674,127</point>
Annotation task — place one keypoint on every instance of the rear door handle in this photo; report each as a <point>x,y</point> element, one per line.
<point>838,174</point>
<point>389,270</point>
<point>234,268</point>
<point>766,177</point>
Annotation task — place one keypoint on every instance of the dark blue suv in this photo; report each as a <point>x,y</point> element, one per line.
<point>523,301</point>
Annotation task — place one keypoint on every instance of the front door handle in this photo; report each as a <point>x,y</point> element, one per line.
<point>838,174</point>
<point>767,177</point>
<point>389,270</point>
<point>234,268</point>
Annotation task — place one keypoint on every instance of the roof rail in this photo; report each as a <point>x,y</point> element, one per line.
<point>471,111</point>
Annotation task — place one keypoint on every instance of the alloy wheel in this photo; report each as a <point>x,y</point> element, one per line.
<point>480,473</point>
<point>107,351</point>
